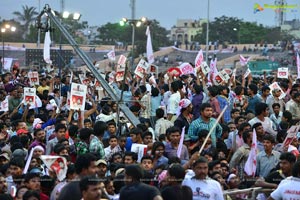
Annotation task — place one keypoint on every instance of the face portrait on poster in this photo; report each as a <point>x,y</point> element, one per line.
<point>29,96</point>
<point>78,96</point>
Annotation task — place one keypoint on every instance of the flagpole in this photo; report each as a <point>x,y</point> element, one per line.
<point>212,129</point>
<point>207,33</point>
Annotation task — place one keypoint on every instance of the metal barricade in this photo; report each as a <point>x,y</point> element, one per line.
<point>249,194</point>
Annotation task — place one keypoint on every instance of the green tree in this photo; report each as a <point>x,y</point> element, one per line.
<point>111,33</point>
<point>26,17</point>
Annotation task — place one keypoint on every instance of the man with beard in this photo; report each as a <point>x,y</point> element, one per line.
<point>202,186</point>
<point>205,121</point>
<point>90,187</point>
<point>3,184</point>
<point>134,189</point>
<point>16,167</point>
<point>174,190</point>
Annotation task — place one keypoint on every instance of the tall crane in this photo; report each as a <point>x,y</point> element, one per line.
<point>43,24</point>
<point>280,12</point>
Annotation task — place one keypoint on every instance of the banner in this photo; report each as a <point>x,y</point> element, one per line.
<point>186,68</point>
<point>111,55</point>
<point>78,96</point>
<point>199,59</point>
<point>275,85</point>
<point>4,105</point>
<point>7,63</point>
<point>141,68</point>
<point>29,96</point>
<point>33,78</point>
<point>121,65</point>
<point>247,73</point>
<point>140,149</point>
<point>213,70</point>
<point>47,44</point>
<point>291,135</point>
<point>298,66</point>
<point>222,76</point>
<point>149,50</point>
<point>250,165</point>
<point>57,164</point>
<point>283,72</point>
<point>205,68</point>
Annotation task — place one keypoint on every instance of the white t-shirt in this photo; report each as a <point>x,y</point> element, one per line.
<point>288,188</point>
<point>204,189</point>
<point>173,103</point>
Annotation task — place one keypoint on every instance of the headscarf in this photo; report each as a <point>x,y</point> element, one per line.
<point>183,103</point>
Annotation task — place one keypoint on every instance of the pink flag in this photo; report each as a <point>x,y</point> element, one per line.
<point>149,50</point>
<point>47,44</point>
<point>298,66</point>
<point>244,61</point>
<point>250,166</point>
<point>180,143</point>
<point>199,59</point>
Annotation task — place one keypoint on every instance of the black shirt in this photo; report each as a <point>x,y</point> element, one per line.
<point>138,191</point>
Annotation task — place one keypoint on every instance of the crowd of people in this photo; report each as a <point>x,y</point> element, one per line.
<point>187,148</point>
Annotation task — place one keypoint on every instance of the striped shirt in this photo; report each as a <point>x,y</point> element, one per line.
<point>197,125</point>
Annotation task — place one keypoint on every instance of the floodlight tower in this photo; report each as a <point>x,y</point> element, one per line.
<point>280,12</point>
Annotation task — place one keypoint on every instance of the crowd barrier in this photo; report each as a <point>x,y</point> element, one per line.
<point>255,193</point>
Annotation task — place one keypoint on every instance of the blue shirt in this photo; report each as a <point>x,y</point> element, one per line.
<point>197,125</point>
<point>223,101</point>
<point>252,101</point>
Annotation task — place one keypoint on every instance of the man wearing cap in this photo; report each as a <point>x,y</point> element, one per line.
<point>102,168</point>
<point>136,190</point>
<point>184,113</point>
<point>4,159</point>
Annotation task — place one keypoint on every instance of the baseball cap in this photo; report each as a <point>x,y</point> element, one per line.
<point>101,161</point>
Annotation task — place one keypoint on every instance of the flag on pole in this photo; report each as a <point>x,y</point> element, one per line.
<point>180,143</point>
<point>250,166</point>
<point>298,66</point>
<point>149,49</point>
<point>111,55</point>
<point>47,44</point>
<point>244,61</point>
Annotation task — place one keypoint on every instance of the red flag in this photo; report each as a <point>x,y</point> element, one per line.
<point>250,166</point>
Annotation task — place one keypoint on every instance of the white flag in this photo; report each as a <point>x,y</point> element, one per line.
<point>111,55</point>
<point>244,61</point>
<point>47,44</point>
<point>149,49</point>
<point>180,143</point>
<point>250,166</point>
<point>298,66</point>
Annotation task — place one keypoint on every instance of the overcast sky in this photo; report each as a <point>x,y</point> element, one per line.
<point>99,12</point>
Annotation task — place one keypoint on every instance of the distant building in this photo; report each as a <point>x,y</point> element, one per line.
<point>292,27</point>
<point>186,30</point>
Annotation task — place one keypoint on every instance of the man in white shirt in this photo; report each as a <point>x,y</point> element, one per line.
<point>202,186</point>
<point>262,113</point>
<point>288,188</point>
